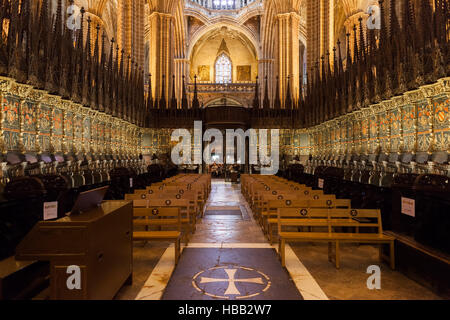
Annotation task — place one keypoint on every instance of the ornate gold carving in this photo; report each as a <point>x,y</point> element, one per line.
<point>5,84</point>
<point>445,82</point>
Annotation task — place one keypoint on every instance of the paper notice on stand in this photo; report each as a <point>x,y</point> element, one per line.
<point>50,210</point>
<point>409,207</point>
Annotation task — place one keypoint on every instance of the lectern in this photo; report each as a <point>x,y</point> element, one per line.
<point>98,243</point>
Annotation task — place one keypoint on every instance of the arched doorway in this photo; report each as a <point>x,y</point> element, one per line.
<point>222,102</point>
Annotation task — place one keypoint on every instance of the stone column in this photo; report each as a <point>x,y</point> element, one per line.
<point>161,49</point>
<point>130,30</point>
<point>266,68</point>
<point>181,69</point>
<point>137,32</point>
<point>288,49</point>
<point>124,23</point>
<point>320,31</point>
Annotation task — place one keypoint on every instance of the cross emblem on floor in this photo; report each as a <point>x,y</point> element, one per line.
<point>232,289</point>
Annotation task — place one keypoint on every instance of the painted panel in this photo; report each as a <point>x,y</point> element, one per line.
<point>11,140</point>
<point>78,127</point>
<point>244,73</point>
<point>11,110</point>
<point>57,122</point>
<point>29,118</point>
<point>29,142</point>
<point>45,119</point>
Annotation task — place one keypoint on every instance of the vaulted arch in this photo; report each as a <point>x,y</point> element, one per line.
<point>203,31</point>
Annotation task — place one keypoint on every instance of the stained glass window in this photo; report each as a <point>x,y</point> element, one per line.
<point>223,69</point>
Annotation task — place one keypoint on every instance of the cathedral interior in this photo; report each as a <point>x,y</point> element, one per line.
<point>355,96</point>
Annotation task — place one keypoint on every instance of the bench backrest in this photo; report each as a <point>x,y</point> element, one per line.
<point>305,215</point>
<point>331,218</point>
<point>152,213</point>
<point>136,196</point>
<point>366,218</point>
<point>310,203</point>
<point>273,207</point>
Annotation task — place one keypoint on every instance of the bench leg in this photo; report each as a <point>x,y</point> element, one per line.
<point>186,238</point>
<point>338,256</point>
<point>129,281</point>
<point>194,222</point>
<point>392,255</point>
<point>194,226</point>
<point>282,252</point>
<point>330,251</point>
<point>265,223</point>
<point>269,234</point>
<point>177,250</point>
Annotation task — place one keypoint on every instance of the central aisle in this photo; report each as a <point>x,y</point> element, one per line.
<point>228,218</point>
<point>229,258</point>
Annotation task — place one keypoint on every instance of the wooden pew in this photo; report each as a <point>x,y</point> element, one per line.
<point>194,188</point>
<point>158,213</point>
<point>306,204</point>
<point>300,194</point>
<point>187,207</point>
<point>353,219</point>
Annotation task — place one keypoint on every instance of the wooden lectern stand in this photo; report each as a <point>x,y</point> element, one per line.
<point>99,242</point>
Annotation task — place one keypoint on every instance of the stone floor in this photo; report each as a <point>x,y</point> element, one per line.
<point>226,229</point>
<point>232,230</point>
<point>145,259</point>
<point>349,282</point>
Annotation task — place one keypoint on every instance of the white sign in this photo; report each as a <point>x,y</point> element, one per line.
<point>50,210</point>
<point>409,207</point>
<point>131,182</point>
<point>320,184</point>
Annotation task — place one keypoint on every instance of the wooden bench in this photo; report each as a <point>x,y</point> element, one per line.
<point>155,214</point>
<point>187,212</point>
<point>183,187</point>
<point>311,205</point>
<point>195,192</point>
<point>261,206</point>
<point>329,220</point>
<point>190,212</point>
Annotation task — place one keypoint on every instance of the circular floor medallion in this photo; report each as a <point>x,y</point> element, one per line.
<point>231,282</point>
